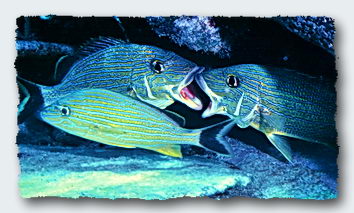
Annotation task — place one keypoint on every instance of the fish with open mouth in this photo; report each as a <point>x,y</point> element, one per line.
<point>114,119</point>
<point>151,74</point>
<point>281,103</point>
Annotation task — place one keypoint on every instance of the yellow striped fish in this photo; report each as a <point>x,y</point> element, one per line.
<point>114,119</point>
<point>277,102</point>
<point>151,74</point>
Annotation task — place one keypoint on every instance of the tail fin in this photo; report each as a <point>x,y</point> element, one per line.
<point>30,99</point>
<point>212,137</point>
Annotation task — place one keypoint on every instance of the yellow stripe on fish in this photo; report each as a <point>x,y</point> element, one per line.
<point>114,119</point>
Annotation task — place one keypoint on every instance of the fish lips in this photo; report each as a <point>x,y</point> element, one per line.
<point>214,105</point>
<point>185,93</point>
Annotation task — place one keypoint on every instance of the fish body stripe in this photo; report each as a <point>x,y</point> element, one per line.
<point>98,100</point>
<point>124,117</point>
<point>129,55</point>
<point>122,68</point>
<point>270,97</point>
<point>128,116</point>
<point>85,127</point>
<point>124,50</point>
<point>252,86</point>
<point>306,105</point>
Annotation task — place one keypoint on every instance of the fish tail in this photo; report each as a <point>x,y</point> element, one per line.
<point>30,99</point>
<point>212,138</point>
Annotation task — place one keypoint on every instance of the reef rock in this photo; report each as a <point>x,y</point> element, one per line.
<point>198,33</point>
<point>311,175</point>
<point>318,30</point>
<point>112,173</point>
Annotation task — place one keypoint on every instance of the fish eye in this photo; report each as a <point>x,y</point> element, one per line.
<point>64,110</point>
<point>232,81</point>
<point>157,66</point>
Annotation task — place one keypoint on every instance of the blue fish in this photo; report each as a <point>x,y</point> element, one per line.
<point>281,103</point>
<point>150,74</point>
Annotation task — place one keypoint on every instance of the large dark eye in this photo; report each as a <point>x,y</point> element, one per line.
<point>157,66</point>
<point>232,81</point>
<point>64,110</point>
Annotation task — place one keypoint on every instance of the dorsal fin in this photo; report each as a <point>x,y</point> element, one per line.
<point>64,63</point>
<point>97,44</point>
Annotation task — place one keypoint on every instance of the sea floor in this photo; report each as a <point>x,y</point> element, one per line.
<point>112,172</point>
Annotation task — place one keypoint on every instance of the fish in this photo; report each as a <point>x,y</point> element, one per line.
<point>280,103</point>
<point>114,119</point>
<point>148,73</point>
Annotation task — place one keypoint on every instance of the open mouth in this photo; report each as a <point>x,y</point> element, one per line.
<point>187,92</point>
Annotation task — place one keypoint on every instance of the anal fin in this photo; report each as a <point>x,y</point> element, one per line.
<point>120,145</point>
<point>281,143</point>
<point>169,150</point>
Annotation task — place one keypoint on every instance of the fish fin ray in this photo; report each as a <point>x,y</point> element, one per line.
<point>32,100</point>
<point>172,150</point>
<point>212,138</point>
<point>274,121</point>
<point>161,104</point>
<point>281,143</point>
<point>120,145</point>
<point>96,44</point>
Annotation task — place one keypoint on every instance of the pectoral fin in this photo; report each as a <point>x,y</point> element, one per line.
<point>281,143</point>
<point>170,150</point>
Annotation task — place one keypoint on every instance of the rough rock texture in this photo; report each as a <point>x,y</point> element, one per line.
<point>196,32</point>
<point>42,48</point>
<point>120,173</point>
<point>312,175</point>
<point>318,30</point>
